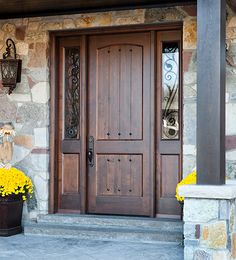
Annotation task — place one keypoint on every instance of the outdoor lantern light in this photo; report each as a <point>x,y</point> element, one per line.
<point>10,67</point>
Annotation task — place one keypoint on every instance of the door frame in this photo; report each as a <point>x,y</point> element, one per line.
<point>53,67</point>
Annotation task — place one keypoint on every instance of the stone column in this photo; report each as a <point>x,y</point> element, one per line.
<point>209,221</point>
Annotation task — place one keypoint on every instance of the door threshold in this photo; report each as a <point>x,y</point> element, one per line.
<point>158,218</point>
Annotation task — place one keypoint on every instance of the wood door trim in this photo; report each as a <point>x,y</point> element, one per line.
<point>117,29</point>
<point>152,108</point>
<point>83,89</point>
<point>53,115</point>
<point>53,44</point>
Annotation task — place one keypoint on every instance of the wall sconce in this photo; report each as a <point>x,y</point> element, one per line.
<point>10,67</point>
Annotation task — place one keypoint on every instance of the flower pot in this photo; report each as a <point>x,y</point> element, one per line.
<point>10,215</point>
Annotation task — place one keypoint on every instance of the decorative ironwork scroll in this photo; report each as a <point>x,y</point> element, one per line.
<point>170,90</point>
<point>72,92</point>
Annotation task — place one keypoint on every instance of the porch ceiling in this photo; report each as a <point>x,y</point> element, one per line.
<point>27,8</point>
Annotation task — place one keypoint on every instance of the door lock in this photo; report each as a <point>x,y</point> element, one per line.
<point>91,151</point>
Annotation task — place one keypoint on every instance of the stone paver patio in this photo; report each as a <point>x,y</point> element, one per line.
<point>35,247</point>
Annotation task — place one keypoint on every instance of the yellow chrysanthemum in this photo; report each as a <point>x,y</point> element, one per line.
<point>14,182</point>
<point>190,179</point>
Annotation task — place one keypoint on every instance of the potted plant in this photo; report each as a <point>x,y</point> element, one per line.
<point>15,188</point>
<point>189,179</point>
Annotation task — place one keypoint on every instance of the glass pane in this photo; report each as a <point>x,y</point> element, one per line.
<point>170,90</point>
<point>72,92</point>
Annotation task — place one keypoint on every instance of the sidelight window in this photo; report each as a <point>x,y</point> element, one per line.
<point>170,90</point>
<point>72,92</point>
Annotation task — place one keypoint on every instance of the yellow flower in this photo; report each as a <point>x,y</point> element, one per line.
<point>14,182</point>
<point>189,179</point>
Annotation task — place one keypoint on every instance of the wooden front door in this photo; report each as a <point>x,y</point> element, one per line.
<point>119,182</point>
<point>116,137</point>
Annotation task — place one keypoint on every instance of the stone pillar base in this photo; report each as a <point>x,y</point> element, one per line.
<point>209,222</point>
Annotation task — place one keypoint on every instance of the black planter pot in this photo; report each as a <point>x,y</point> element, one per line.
<point>10,215</point>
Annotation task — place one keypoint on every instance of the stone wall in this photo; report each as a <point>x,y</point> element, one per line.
<point>211,231</point>
<point>28,107</point>
<point>209,222</point>
<point>231,97</point>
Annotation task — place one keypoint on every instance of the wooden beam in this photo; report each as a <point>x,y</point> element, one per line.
<point>28,8</point>
<point>211,19</point>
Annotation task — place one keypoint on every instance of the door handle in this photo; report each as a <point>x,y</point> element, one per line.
<point>91,151</point>
<point>90,156</point>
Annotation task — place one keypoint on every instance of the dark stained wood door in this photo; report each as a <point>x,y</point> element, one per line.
<point>118,98</point>
<point>120,181</point>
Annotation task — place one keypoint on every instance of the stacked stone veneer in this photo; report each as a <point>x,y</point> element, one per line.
<point>209,222</point>
<point>28,107</point>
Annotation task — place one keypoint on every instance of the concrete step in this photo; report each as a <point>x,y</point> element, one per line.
<point>113,221</point>
<point>102,233</point>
